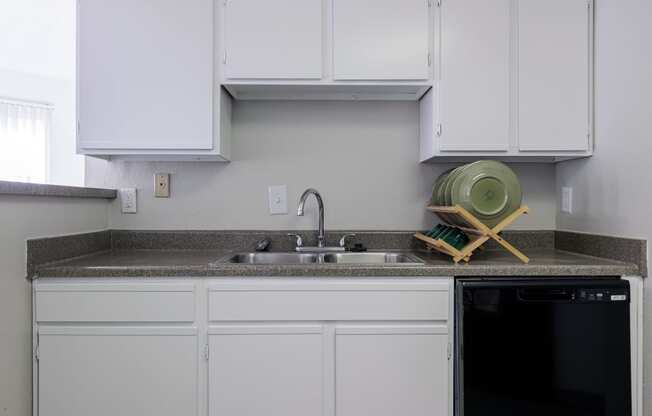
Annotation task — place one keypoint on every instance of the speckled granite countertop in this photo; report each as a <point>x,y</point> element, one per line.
<point>211,263</point>
<point>37,189</point>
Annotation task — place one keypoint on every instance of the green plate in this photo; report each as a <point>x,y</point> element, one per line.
<point>442,199</point>
<point>487,189</point>
<point>446,194</point>
<point>435,189</point>
<point>434,200</point>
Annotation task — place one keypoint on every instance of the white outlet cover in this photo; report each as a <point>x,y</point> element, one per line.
<point>567,200</point>
<point>128,200</point>
<point>278,199</point>
<point>162,185</point>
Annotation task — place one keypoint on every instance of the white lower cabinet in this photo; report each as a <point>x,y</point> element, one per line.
<point>329,347</point>
<point>265,370</point>
<point>104,371</point>
<point>255,347</point>
<point>391,370</point>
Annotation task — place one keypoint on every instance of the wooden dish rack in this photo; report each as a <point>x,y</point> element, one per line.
<point>478,233</point>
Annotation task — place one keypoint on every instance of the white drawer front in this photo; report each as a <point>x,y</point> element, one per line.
<point>336,303</point>
<point>115,303</point>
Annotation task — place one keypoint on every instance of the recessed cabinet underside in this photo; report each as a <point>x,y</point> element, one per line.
<point>243,347</point>
<point>327,49</point>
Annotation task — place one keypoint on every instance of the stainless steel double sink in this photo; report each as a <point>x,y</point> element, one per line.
<point>325,258</point>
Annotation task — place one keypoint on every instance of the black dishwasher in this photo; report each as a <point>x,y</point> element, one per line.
<point>535,347</point>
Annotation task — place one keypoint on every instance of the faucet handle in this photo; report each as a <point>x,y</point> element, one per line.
<point>263,244</point>
<point>344,237</point>
<point>298,237</point>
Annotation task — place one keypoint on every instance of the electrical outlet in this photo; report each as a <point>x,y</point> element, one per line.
<point>278,200</point>
<point>567,200</point>
<point>128,200</point>
<point>162,185</point>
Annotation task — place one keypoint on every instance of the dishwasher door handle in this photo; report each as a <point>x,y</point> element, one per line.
<point>543,294</point>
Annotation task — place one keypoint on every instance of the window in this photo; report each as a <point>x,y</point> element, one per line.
<point>24,136</point>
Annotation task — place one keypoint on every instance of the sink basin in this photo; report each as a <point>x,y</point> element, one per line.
<point>274,258</point>
<point>371,258</point>
<point>325,258</point>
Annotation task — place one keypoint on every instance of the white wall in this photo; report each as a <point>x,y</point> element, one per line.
<point>23,217</point>
<point>362,157</point>
<point>38,37</point>
<point>612,189</point>
<point>37,63</point>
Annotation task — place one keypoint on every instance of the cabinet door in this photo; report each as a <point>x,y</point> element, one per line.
<point>381,40</point>
<point>553,75</point>
<point>145,74</point>
<point>475,75</point>
<point>391,370</point>
<point>265,370</point>
<point>273,39</point>
<point>117,371</point>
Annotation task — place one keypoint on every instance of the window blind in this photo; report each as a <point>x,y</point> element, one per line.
<point>24,137</point>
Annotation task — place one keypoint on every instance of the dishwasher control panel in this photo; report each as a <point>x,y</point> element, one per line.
<point>601,295</point>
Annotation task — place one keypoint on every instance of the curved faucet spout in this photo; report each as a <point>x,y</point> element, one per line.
<point>320,203</point>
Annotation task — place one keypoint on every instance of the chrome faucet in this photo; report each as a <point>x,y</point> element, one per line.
<point>302,201</point>
<point>321,236</point>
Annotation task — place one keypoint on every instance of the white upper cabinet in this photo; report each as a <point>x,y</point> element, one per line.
<point>475,70</point>
<point>553,75</point>
<point>515,81</point>
<point>145,79</point>
<point>279,39</point>
<point>381,40</point>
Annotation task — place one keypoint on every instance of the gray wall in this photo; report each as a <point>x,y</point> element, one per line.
<point>612,192</point>
<point>23,217</point>
<point>362,157</point>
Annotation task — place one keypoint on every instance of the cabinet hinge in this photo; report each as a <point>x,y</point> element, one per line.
<point>206,352</point>
<point>438,131</point>
<point>224,58</point>
<point>37,350</point>
<point>448,351</point>
<point>429,59</point>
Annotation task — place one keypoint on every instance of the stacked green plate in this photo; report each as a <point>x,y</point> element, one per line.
<point>488,189</point>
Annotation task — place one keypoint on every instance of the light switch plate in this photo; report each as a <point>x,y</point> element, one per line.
<point>128,200</point>
<point>278,200</point>
<point>567,200</point>
<point>162,185</point>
